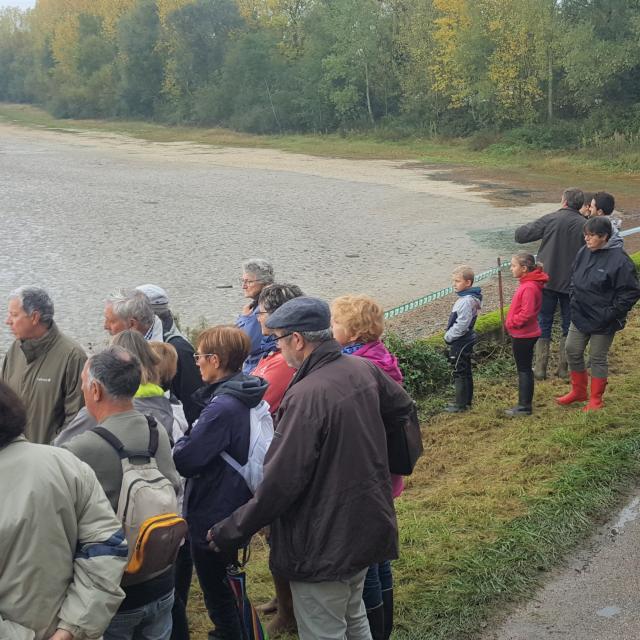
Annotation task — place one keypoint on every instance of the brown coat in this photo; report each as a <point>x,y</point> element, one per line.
<point>327,489</point>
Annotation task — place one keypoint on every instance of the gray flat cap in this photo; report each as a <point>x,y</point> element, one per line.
<point>301,314</point>
<point>157,296</point>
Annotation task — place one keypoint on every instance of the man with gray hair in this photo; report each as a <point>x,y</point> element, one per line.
<point>42,366</point>
<point>131,309</point>
<point>562,236</point>
<point>256,275</point>
<point>327,489</point>
<point>110,379</point>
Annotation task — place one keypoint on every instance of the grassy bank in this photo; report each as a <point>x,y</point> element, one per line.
<point>616,165</point>
<point>496,502</point>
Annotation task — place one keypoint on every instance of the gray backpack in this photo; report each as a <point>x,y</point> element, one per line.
<point>147,508</point>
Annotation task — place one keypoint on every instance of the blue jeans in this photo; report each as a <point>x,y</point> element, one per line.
<point>151,622</point>
<point>550,301</point>
<point>377,580</point>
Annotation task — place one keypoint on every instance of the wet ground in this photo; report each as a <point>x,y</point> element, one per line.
<point>83,213</point>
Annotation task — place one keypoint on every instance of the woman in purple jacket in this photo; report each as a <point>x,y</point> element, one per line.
<point>357,323</point>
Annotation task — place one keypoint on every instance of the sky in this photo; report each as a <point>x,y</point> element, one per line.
<point>23,4</point>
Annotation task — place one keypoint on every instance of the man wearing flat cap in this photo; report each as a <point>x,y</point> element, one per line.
<point>326,490</point>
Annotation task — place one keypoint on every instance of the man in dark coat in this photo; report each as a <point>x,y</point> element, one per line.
<point>326,489</point>
<point>187,379</point>
<point>561,235</point>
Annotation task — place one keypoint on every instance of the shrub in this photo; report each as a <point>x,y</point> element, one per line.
<point>424,367</point>
<point>557,135</point>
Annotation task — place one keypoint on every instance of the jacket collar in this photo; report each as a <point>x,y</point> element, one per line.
<point>33,349</point>
<point>325,352</point>
<point>20,438</point>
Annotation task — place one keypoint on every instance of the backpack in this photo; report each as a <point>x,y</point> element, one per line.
<point>147,508</point>
<point>259,442</point>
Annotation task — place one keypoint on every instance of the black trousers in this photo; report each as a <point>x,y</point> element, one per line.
<point>460,359</point>
<point>218,598</point>
<point>183,572</point>
<point>523,353</point>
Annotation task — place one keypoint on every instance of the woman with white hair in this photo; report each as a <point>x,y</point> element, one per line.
<point>256,274</point>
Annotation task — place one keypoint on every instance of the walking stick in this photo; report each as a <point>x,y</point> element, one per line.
<point>501,294</point>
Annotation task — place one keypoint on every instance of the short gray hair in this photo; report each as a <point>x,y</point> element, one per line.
<point>131,304</point>
<point>316,336</point>
<point>117,370</point>
<point>261,269</point>
<point>35,299</point>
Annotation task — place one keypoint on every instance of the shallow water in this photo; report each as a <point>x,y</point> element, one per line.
<point>81,217</point>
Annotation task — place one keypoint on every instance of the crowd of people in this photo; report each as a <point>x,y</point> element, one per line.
<point>581,266</point>
<point>316,377</point>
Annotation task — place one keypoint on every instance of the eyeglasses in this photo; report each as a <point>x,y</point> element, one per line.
<point>244,282</point>
<point>286,335</point>
<point>261,313</point>
<point>197,356</point>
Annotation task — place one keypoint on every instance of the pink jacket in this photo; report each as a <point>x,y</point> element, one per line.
<point>522,319</point>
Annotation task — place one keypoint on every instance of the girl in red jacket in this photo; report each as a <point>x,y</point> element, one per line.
<point>522,325</point>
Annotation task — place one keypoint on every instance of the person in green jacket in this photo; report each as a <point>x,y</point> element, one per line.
<point>42,366</point>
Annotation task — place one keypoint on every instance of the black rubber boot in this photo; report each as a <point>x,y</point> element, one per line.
<point>387,603</point>
<point>525,395</point>
<point>376,621</point>
<point>469,391</point>
<point>460,402</point>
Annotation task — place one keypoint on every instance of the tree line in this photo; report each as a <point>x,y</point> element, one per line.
<point>448,67</point>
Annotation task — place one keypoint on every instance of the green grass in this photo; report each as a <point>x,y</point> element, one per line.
<point>557,167</point>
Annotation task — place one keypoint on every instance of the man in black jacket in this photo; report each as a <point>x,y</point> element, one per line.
<point>561,235</point>
<point>187,379</point>
<point>604,289</point>
<point>326,490</point>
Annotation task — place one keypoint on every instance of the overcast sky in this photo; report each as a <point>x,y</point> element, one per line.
<point>23,4</point>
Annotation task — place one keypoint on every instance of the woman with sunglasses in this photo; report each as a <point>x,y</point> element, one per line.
<point>214,490</point>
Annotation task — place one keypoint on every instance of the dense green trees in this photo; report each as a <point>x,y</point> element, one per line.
<point>438,66</point>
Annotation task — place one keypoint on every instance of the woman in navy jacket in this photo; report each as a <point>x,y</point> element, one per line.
<point>604,288</point>
<point>214,489</point>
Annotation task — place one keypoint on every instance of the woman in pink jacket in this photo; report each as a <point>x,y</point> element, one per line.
<point>357,322</point>
<point>522,325</point>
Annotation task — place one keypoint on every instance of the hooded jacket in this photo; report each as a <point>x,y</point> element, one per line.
<point>604,288</point>
<point>380,356</point>
<point>562,237</point>
<point>214,489</point>
<point>378,353</point>
<point>326,490</point>
<point>63,550</point>
<point>522,319</point>
<point>45,373</point>
<point>463,316</point>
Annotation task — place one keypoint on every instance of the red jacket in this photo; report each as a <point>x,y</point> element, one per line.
<point>522,319</point>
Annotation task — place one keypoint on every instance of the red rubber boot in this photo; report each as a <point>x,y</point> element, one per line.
<point>598,385</point>
<point>578,393</point>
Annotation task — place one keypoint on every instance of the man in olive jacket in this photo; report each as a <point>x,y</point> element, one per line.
<point>326,489</point>
<point>42,366</point>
